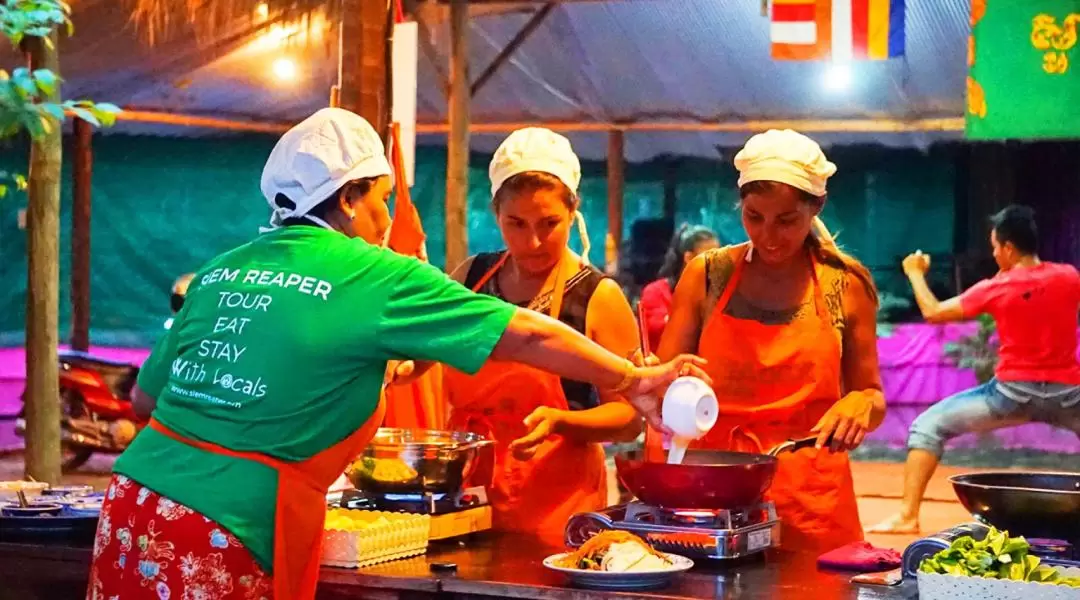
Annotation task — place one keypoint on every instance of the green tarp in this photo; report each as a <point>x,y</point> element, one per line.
<point>163,206</point>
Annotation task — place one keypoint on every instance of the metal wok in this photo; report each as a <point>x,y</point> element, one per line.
<point>706,479</point>
<point>1035,505</point>
<point>415,461</point>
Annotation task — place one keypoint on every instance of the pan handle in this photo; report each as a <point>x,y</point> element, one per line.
<point>796,445</point>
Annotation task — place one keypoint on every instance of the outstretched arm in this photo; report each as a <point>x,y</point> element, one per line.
<point>933,310</point>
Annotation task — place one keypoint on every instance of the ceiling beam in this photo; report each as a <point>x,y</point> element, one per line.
<point>530,26</point>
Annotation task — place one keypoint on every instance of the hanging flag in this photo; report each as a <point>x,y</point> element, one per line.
<point>840,30</point>
<point>406,234</point>
<point>1023,71</point>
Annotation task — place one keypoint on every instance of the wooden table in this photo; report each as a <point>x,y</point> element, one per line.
<point>488,566</point>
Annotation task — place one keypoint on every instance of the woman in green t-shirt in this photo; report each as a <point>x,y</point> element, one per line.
<point>268,382</point>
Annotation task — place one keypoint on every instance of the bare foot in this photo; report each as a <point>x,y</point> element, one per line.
<point>896,524</point>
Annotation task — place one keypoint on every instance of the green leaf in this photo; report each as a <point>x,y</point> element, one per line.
<point>107,107</point>
<point>964,543</point>
<point>86,115</point>
<point>54,110</point>
<point>24,83</point>
<point>46,81</point>
<point>1031,564</point>
<point>1017,571</point>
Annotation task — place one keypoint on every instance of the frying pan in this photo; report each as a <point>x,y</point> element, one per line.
<point>706,479</point>
<point>1032,504</point>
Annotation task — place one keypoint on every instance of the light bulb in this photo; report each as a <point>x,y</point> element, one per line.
<point>284,69</point>
<point>838,77</point>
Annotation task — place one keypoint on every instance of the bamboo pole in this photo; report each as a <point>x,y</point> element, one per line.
<point>616,163</point>
<point>457,152</point>
<point>515,43</point>
<point>809,126</point>
<point>80,236</point>
<point>181,120</point>
<point>882,125</point>
<point>42,290</point>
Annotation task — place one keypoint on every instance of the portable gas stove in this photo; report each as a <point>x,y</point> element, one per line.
<point>452,515</point>
<point>717,534</point>
<point>425,503</point>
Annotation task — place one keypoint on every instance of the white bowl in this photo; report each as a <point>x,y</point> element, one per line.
<point>690,408</point>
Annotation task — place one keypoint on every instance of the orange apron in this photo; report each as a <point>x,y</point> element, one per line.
<point>564,477</point>
<point>419,404</point>
<point>300,511</point>
<point>774,382</point>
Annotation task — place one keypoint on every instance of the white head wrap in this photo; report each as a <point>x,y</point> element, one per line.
<point>789,157</point>
<point>543,150</point>
<point>318,157</point>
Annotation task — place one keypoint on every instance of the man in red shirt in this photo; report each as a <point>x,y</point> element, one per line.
<point>1037,377</point>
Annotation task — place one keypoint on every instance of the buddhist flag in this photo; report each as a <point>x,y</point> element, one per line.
<point>1023,70</point>
<point>837,29</point>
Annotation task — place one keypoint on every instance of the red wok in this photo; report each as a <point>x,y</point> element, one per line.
<point>706,479</point>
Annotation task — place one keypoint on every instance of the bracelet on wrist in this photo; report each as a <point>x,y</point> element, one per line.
<point>627,379</point>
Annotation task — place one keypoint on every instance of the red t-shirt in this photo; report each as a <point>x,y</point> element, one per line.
<point>1036,313</point>
<point>656,303</point>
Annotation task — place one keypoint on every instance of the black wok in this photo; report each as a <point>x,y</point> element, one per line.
<point>1031,504</point>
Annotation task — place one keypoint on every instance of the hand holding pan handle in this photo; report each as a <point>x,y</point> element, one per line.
<point>796,445</point>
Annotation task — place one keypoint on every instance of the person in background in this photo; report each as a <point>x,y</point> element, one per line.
<point>1037,377</point>
<point>548,429</point>
<point>788,325</point>
<point>655,300</point>
<point>268,384</point>
<point>176,295</point>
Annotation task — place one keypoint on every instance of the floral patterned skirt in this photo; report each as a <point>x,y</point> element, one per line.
<point>148,546</point>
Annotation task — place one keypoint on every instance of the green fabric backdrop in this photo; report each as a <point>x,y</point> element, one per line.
<point>163,206</point>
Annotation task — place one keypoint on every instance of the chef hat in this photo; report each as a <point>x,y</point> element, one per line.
<point>787,157</point>
<point>543,150</point>
<point>318,157</point>
<point>535,149</point>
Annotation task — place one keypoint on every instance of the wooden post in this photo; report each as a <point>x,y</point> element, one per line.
<point>364,61</point>
<point>616,164</point>
<point>80,236</point>
<point>42,290</point>
<point>457,159</point>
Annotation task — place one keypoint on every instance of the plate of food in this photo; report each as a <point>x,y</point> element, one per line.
<point>618,560</point>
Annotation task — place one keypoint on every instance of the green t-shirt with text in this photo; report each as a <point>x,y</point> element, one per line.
<point>281,348</point>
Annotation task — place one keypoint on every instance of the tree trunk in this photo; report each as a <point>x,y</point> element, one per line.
<point>364,62</point>
<point>42,292</point>
<point>457,144</point>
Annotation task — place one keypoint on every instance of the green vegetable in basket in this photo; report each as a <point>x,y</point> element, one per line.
<point>997,556</point>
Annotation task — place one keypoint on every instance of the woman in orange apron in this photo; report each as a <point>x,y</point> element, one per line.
<point>788,325</point>
<point>267,385</point>
<point>548,431</point>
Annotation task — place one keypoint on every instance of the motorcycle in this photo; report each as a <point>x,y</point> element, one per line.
<point>97,413</point>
